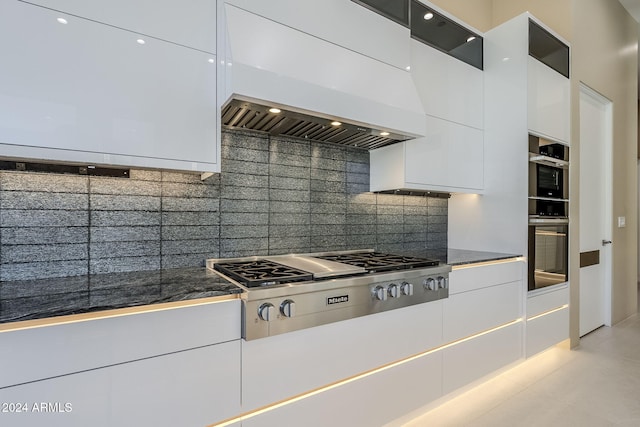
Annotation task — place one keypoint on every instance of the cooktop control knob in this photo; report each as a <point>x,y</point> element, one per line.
<point>288,308</point>
<point>394,292</point>
<point>430,284</point>
<point>380,293</point>
<point>406,288</point>
<point>441,282</point>
<point>267,312</point>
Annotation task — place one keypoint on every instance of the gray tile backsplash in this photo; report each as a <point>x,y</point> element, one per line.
<point>274,195</point>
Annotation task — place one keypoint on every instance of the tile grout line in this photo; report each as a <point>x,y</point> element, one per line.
<point>309,200</point>
<point>161,227</point>
<point>89,222</point>
<point>269,141</point>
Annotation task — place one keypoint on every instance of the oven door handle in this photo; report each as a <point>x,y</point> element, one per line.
<point>548,221</point>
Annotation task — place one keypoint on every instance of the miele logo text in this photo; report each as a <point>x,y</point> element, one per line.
<point>337,300</point>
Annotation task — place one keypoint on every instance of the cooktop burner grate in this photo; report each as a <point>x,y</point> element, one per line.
<point>376,262</point>
<point>262,273</point>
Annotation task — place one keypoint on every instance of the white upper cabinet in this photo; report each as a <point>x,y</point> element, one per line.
<point>186,22</point>
<point>446,69</point>
<point>548,98</point>
<point>74,90</point>
<point>341,22</point>
<point>450,158</point>
<point>448,88</point>
<point>548,102</point>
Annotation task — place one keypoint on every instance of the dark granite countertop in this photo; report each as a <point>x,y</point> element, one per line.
<point>456,257</point>
<point>463,256</point>
<point>43,298</point>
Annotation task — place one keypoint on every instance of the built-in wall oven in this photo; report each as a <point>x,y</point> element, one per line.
<point>548,213</point>
<point>548,252</point>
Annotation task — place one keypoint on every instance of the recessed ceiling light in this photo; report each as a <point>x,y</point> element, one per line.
<point>62,20</point>
<point>140,41</point>
<point>428,16</point>
<point>336,123</point>
<point>471,38</point>
<point>211,61</point>
<point>275,110</point>
<point>408,68</point>
<point>384,133</point>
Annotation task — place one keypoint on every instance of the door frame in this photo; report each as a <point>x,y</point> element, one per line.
<point>607,165</point>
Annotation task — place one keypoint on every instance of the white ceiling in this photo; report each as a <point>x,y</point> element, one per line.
<point>633,7</point>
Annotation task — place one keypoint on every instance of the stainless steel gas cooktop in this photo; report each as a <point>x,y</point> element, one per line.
<point>284,293</point>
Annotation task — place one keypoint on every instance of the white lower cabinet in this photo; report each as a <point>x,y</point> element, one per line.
<point>369,401</point>
<point>547,319</point>
<point>482,297</point>
<point>66,348</point>
<point>74,90</point>
<point>171,366</point>
<point>470,360</point>
<point>485,306</point>
<point>473,277</point>
<point>283,366</point>
<point>188,388</point>
<point>469,313</point>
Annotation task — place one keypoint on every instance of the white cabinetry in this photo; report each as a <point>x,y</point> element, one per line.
<point>61,349</point>
<point>548,102</point>
<point>473,359</point>
<point>486,300</point>
<point>283,366</point>
<point>450,156</point>
<point>352,26</point>
<point>368,401</point>
<point>188,23</point>
<point>468,313</point>
<point>547,318</point>
<point>161,367</point>
<point>449,159</point>
<point>91,93</point>
<point>188,388</point>
<point>522,96</point>
<point>449,89</point>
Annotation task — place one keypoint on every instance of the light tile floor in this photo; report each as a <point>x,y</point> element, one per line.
<point>596,385</point>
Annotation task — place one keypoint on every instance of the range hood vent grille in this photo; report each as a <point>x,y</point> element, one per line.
<point>246,115</point>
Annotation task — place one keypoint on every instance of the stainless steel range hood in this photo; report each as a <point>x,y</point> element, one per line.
<point>263,63</point>
<point>250,115</point>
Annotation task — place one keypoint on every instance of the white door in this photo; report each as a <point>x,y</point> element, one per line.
<point>595,210</point>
